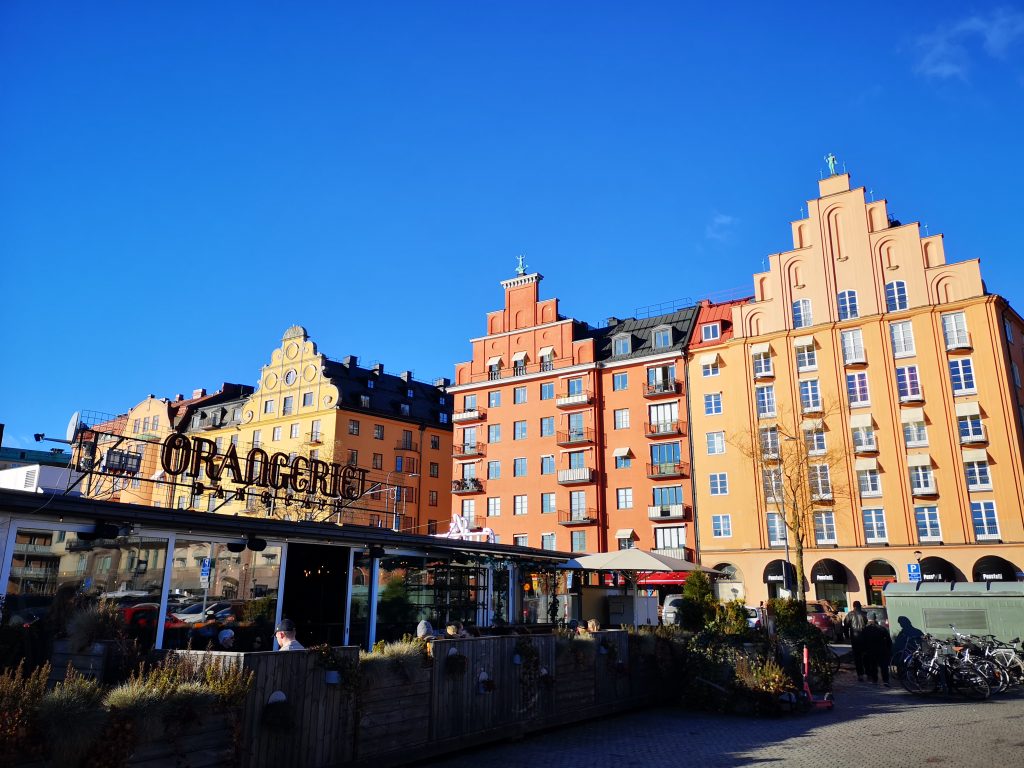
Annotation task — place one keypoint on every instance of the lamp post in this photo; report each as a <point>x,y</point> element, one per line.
<point>397,526</point>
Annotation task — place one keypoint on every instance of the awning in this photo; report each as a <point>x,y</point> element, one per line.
<point>859,420</point>
<point>911,415</point>
<point>618,452</point>
<point>803,341</point>
<point>975,454</point>
<point>828,571</point>
<point>496,360</point>
<point>968,409</point>
<point>662,579</point>
<point>807,424</point>
<point>545,351</point>
<point>866,463</point>
<point>937,569</point>
<point>708,359</point>
<point>519,356</point>
<point>625,533</point>
<point>763,348</point>
<point>995,568</point>
<point>919,460</point>
<point>775,573</point>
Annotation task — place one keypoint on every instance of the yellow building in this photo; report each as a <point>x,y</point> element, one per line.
<point>882,380</point>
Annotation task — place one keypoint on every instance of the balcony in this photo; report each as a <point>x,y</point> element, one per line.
<point>854,356</point>
<point>913,397</point>
<point>958,342</point>
<point>662,388</point>
<point>467,485</point>
<point>476,414</point>
<point>575,437</point>
<point>811,408</point>
<point>34,549</point>
<point>862,448</point>
<point>665,428</point>
<point>573,401</point>
<point>670,513</point>
<point>465,450</point>
<point>822,497</point>
<point>665,470</point>
<point>575,476</point>
<point>571,517</point>
<point>925,490</point>
<point>29,572</point>
<point>974,439</point>
<point>683,553</point>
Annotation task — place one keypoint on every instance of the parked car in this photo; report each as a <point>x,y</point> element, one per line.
<point>833,614</point>
<point>196,613</point>
<point>672,610</point>
<point>818,616</point>
<point>755,618</point>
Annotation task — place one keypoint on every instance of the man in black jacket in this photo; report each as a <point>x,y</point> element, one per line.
<point>855,622</point>
<point>877,650</point>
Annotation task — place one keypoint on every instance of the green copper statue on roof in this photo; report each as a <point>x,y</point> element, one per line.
<point>522,266</point>
<point>830,158</point>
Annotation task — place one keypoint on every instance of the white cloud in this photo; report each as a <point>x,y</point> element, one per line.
<point>720,227</point>
<point>946,52</point>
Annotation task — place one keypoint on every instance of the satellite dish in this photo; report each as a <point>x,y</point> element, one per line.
<point>73,425</point>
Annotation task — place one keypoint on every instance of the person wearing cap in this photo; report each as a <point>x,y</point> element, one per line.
<point>285,634</point>
<point>226,639</point>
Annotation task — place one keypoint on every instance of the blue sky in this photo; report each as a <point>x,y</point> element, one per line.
<point>182,181</point>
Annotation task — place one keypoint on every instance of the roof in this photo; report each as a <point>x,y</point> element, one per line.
<point>388,393</point>
<point>57,458</point>
<point>640,333</point>
<point>715,313</point>
<point>183,409</point>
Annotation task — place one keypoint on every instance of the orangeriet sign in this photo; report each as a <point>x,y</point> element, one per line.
<point>315,483</point>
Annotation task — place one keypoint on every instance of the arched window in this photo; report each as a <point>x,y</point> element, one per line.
<point>895,296</point>
<point>848,305</point>
<point>802,313</point>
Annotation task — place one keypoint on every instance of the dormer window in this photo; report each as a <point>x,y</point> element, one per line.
<point>408,393</point>
<point>369,383</point>
<point>662,337</point>
<point>622,345</point>
<point>710,331</point>
<point>405,409</point>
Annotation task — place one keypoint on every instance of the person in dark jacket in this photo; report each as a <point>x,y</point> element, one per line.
<point>877,650</point>
<point>855,622</point>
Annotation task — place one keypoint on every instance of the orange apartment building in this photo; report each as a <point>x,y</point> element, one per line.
<point>570,437</point>
<point>896,377</point>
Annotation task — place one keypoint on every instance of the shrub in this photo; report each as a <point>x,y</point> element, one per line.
<point>698,601</point>
<point>71,717</point>
<point>92,623</point>
<point>20,695</point>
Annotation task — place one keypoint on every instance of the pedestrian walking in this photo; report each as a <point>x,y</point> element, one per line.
<point>855,622</point>
<point>877,651</point>
<point>285,634</point>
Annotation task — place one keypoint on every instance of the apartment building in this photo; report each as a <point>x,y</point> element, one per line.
<point>571,437</point>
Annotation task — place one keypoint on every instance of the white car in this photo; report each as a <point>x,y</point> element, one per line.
<point>195,613</point>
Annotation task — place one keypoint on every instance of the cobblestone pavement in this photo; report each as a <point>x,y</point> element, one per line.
<point>870,727</point>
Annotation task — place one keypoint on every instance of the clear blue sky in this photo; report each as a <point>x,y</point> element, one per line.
<point>179,182</point>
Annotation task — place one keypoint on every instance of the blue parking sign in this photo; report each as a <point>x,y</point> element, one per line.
<point>913,571</point>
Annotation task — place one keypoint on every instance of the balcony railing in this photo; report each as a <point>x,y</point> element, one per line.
<point>959,341</point>
<point>683,553</point>
<point>854,356</point>
<point>913,397</point>
<point>924,490</point>
<point>572,401</point>
<point>571,517</point>
<point>34,549</point>
<point>662,388</point>
<point>462,450</point>
<point>764,373</point>
<point>667,469</point>
<point>669,512</point>
<point>662,428</point>
<point>974,438</point>
<point>467,485</point>
<point>865,448</point>
<point>574,476</point>
<point>407,445</point>
<point>29,572</point>
<point>575,437</point>
<point>475,414</point>
<point>822,496</point>
<point>811,408</point>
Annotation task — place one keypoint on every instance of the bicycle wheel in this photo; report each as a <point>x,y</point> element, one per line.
<point>1014,667</point>
<point>995,674</point>
<point>970,681</point>
<point>919,679</point>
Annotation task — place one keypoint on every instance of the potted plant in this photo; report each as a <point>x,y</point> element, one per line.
<point>331,661</point>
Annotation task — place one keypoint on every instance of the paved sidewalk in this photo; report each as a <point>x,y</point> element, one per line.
<point>870,727</point>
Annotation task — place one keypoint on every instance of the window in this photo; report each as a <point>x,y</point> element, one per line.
<point>268,406</point>
<point>493,506</point>
<point>435,442</point>
<point>1016,373</point>
<point>721,526</point>
<point>364,401</point>
<point>814,441</point>
<point>902,335</point>
<point>621,416</point>
<point>806,358</point>
<point>493,470</point>
<point>710,331</point>
<point>908,385</point>
<point>547,541</point>
<point>519,505</point>
<point>857,389</point>
<point>1008,330</point>
<point>276,434</point>
<point>665,457</point>
<point>403,409</point>
<point>547,465</point>
<point>915,434</point>
<point>435,469</point>
<point>864,439</point>
<point>623,498</point>
<point>954,330</point>
<point>869,482</point>
<point>469,402</point>
<point>670,537</point>
<point>520,540</point>
<point>961,373</point>
<point>819,481</point>
<point>234,439</point>
<point>802,313</point>
<point>257,438</point>
<point>874,526</point>
<point>494,433</point>
<point>578,541</point>
<point>662,338</point>
<point>519,395</point>
<point>983,514</point>
<point>135,426</point>
<point>547,503</point>
<point>719,483</point>
<point>547,391</point>
<point>971,430</point>
<point>574,387</point>
<point>847,301</point>
<point>519,467</point>
<point>810,396</point>
<point>519,430</point>
<point>287,405</point>
<point>765,400</point>
<point>895,296</point>
<point>762,364</point>
<point>825,527</point>
<point>293,431</point>
<point>621,345</point>
<point>663,418</point>
<point>620,381</point>
<point>307,399</point>
<point>493,399</point>
<point>432,498</point>
<point>353,427</point>
<point>769,442</point>
<point>314,430</point>
<point>711,369</point>
<point>776,530</point>
<point>353,457</point>
<point>927,519</point>
<point>378,461</point>
<point>547,426</point>
<point>922,481</point>
<point>978,478</point>
<point>853,346</point>
<point>378,431</point>
<point>713,404</point>
<point>623,462</point>
<point>625,543</point>
<point>716,443</point>
<point>771,484</point>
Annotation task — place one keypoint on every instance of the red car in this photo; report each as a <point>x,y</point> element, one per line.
<point>819,617</point>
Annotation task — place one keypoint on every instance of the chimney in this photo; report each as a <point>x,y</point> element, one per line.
<point>378,369</point>
<point>612,321</point>
<point>442,382</point>
<point>198,393</point>
<point>350,361</point>
<point>406,376</point>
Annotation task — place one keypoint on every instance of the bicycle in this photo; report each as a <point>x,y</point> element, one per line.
<point>936,667</point>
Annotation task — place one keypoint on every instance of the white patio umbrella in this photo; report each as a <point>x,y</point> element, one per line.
<point>631,562</point>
